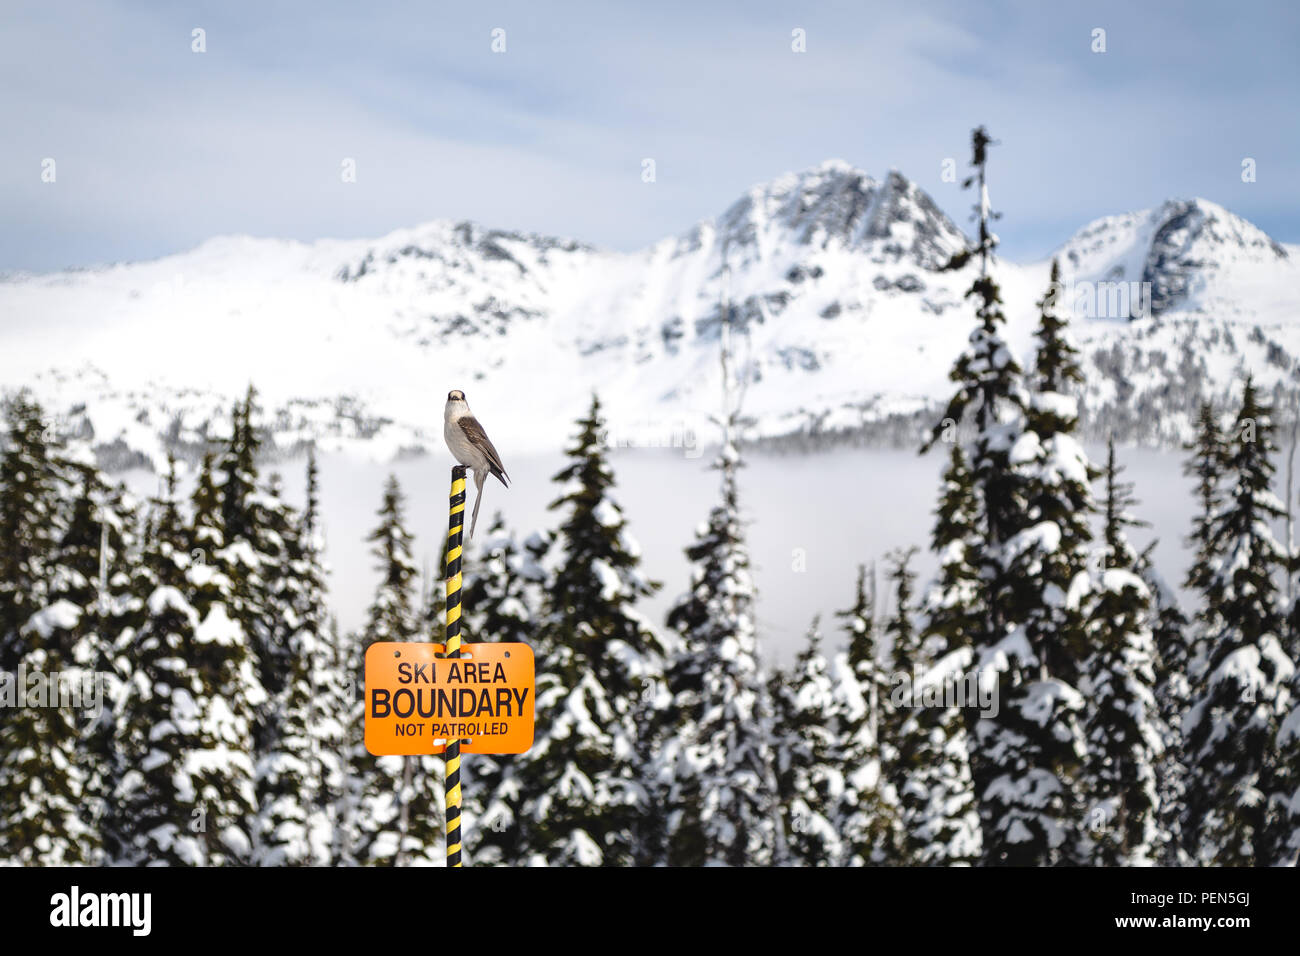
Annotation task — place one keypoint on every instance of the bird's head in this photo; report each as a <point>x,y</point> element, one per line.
<point>455,395</point>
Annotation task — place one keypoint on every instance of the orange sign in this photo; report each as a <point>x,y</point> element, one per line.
<point>417,700</point>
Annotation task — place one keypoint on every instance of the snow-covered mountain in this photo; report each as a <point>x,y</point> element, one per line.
<point>835,276</point>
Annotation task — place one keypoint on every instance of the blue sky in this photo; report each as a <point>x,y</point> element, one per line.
<point>158,148</point>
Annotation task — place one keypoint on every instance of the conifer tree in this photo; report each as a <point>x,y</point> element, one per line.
<point>28,522</point>
<point>279,600</point>
<point>206,531</point>
<point>808,756</point>
<point>88,565</point>
<point>300,771</point>
<point>925,754</point>
<point>392,615</point>
<point>158,817</point>
<point>46,798</point>
<point>166,536</point>
<point>255,555</point>
<point>1025,754</point>
<point>287,781</point>
<point>865,818</point>
<point>91,572</point>
<point>398,813</point>
<point>1058,497</point>
<point>900,630</point>
<point>258,542</point>
<point>1282,835</point>
<point>1242,673</point>
<point>1123,730</point>
<point>951,619</point>
<point>221,587</point>
<point>594,547</point>
<point>346,797</point>
<point>717,754</point>
<point>238,467</point>
<point>897,710</point>
<point>332,685</point>
<point>1173,695</point>
<point>1207,463</point>
<point>951,608</point>
<point>580,789</point>
<point>503,600</point>
<point>44,793</point>
<point>722,805</point>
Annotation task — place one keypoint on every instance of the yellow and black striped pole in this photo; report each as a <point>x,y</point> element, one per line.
<point>455,530</point>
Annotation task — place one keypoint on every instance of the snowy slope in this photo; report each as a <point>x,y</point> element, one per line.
<point>835,276</point>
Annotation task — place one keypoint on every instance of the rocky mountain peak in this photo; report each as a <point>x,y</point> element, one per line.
<point>836,204</point>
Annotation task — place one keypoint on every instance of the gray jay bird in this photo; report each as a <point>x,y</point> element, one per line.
<point>470,446</point>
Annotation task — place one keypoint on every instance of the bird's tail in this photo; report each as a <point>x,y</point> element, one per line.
<point>478,500</point>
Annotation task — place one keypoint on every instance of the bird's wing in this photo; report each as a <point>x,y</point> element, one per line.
<point>478,438</point>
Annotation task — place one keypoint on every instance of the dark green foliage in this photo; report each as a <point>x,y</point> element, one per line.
<point>1241,671</point>
<point>1119,777</point>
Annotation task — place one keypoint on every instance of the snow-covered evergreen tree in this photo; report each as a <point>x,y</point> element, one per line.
<point>581,789</point>
<point>899,736</point>
<point>318,642</point>
<point>225,711</point>
<point>91,570</point>
<point>28,522</point>
<point>1058,496</point>
<point>45,810</point>
<point>865,818</point>
<point>1125,740</point>
<point>1207,463</point>
<point>257,555</point>
<point>397,818</point>
<point>51,641</point>
<point>158,817</point>
<point>951,607</point>
<point>716,755</point>
<point>228,696</point>
<point>925,740</point>
<point>206,533</point>
<point>300,771</point>
<point>809,757</point>
<point>1243,676</point>
<point>951,619</point>
<point>1173,695</point>
<point>1021,758</point>
<point>1282,832</point>
<point>393,615</point>
<point>597,575</point>
<point>503,598</point>
<point>345,790</point>
<point>242,532</point>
